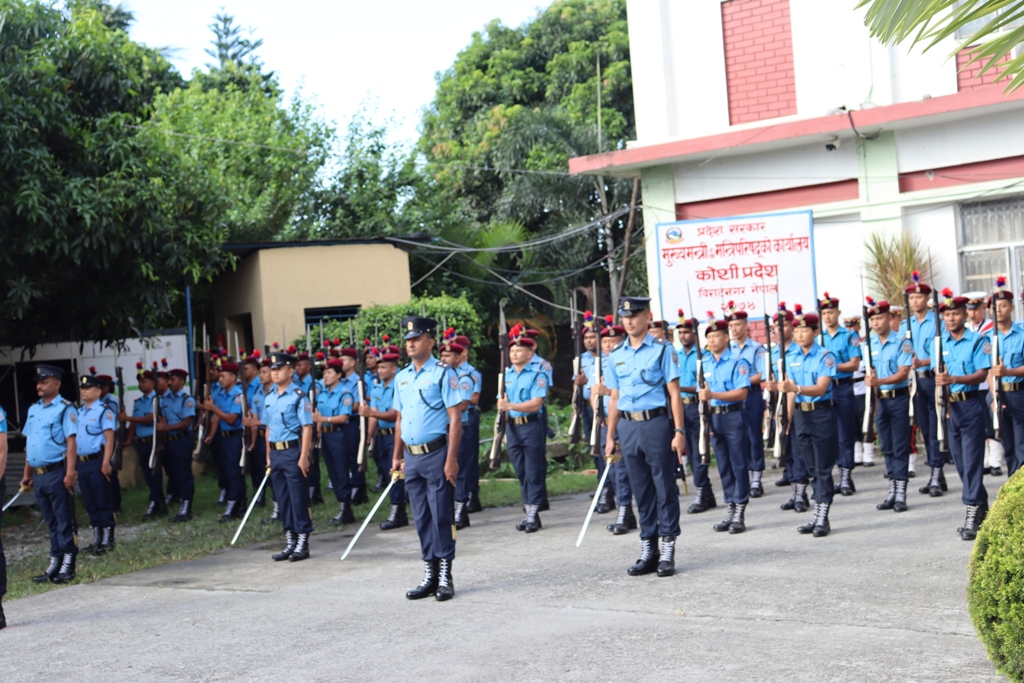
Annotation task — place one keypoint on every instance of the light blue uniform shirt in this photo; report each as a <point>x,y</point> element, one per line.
<point>287,413</point>
<point>111,402</point>
<point>845,346</point>
<point>334,401</point>
<point>304,383</point>
<point>888,358</point>
<point>965,357</point>
<point>177,407</point>
<point>423,398</point>
<point>588,369</point>
<point>592,379</point>
<point>470,383</point>
<point>1011,351</point>
<point>725,374</point>
<point>752,352</point>
<point>521,386</point>
<point>3,421</point>
<point>382,399</point>
<point>543,366</point>
<point>46,430</point>
<point>924,335</point>
<point>92,422</point>
<point>350,386</point>
<point>229,401</point>
<point>687,368</point>
<point>640,374</point>
<point>805,369</point>
<point>142,407</point>
<point>255,396</point>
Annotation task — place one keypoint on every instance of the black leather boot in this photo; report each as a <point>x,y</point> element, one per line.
<point>428,586</point>
<point>800,502</point>
<point>846,487</point>
<point>397,518</point>
<point>359,495</point>
<point>900,502</point>
<point>229,511</point>
<point>156,508</point>
<point>821,525</point>
<point>756,489</point>
<point>474,502</point>
<point>316,496</point>
<point>344,516</point>
<point>382,482</point>
<point>809,527</point>
<point>222,499</point>
<point>445,585</point>
<point>698,502</point>
<point>301,551</point>
<point>544,505</point>
<point>969,531</point>
<point>667,563</point>
<point>647,561</point>
<point>605,502</point>
<point>461,515</point>
<point>275,515</point>
<point>739,523</point>
<point>890,500</point>
<point>108,538</point>
<point>532,522</point>
<point>184,512</point>
<point>289,547</point>
<point>66,573</point>
<point>783,482</point>
<point>624,522</point>
<point>96,547</point>
<point>51,570</point>
<point>727,522</point>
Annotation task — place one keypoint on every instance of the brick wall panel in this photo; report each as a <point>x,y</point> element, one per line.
<point>757,35</point>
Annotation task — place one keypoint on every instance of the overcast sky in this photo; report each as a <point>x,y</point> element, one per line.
<point>341,52</point>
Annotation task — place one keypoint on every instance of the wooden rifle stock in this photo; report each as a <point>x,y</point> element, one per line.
<point>941,393</point>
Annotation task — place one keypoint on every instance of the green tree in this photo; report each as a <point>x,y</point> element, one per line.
<point>101,223</point>
<point>995,26</point>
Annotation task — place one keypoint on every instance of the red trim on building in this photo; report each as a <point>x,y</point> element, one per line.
<point>776,200</point>
<point>669,152</point>
<point>758,39</point>
<point>964,174</point>
<point>967,76</point>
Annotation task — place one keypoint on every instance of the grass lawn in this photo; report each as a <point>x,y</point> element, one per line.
<point>150,544</point>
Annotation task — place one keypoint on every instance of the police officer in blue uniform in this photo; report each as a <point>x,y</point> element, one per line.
<point>644,380</point>
<point>3,493</point>
<point>256,440</point>
<point>95,443</point>
<point>728,382</point>
<point>619,488</point>
<point>226,405</point>
<point>1008,372</point>
<point>452,354</point>
<point>526,388</point>
<point>429,427</point>
<point>471,383</point>
<point>686,357</point>
<point>845,347</point>
<point>794,470</point>
<point>350,388</point>
<point>967,359</point>
<point>289,416</point>
<point>303,378</point>
<point>179,410</point>
<point>51,466</point>
<point>541,365</point>
<point>140,433</point>
<point>109,399</point>
<point>743,347</point>
<point>808,387</point>
<point>891,361</point>
<point>382,415</point>
<point>584,378</point>
<point>333,412</point>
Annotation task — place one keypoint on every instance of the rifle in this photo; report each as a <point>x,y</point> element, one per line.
<point>243,457</point>
<point>156,420</point>
<point>867,430</point>
<point>773,396</point>
<point>913,370</point>
<point>122,428</point>
<point>363,422</point>
<point>782,413</point>
<point>703,407</point>
<point>595,427</point>
<point>578,402</point>
<point>942,393</point>
<point>203,429</point>
<point>501,419</point>
<point>999,381</point>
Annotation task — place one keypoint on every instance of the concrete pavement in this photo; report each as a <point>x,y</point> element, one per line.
<point>880,599</point>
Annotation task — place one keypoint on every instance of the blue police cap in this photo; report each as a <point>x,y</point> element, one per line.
<point>415,326</point>
<point>44,371</point>
<point>631,305</point>
<point>86,381</point>
<point>279,360</point>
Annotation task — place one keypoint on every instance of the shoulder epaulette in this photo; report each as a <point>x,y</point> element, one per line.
<point>619,345</point>
<point>443,364</point>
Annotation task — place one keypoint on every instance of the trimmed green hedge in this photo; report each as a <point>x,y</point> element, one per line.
<point>995,592</point>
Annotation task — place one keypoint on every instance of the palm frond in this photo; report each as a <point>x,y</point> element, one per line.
<point>891,259</point>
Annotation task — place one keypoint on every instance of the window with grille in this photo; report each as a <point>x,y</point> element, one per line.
<point>992,244</point>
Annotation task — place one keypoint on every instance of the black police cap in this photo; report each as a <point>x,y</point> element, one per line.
<point>278,360</point>
<point>631,305</point>
<point>415,326</point>
<point>86,381</point>
<point>44,371</point>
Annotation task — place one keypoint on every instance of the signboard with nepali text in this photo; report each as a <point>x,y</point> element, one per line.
<point>747,260</point>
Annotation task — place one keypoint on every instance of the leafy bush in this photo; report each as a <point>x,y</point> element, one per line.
<point>995,592</point>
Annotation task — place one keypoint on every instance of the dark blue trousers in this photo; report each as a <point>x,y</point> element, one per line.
<point>386,447</point>
<point>730,439</point>
<point>618,478</point>
<point>469,457</point>
<point>892,423</point>
<point>795,468</point>
<point>818,437</point>
<point>1012,428</point>
<point>847,429</point>
<point>336,456</point>
<point>291,491</point>
<point>753,413</point>
<point>154,479</point>
<point>691,425</point>
<point>927,420</point>
<point>258,462</point>
<point>351,431</point>
<point>433,502</point>
<point>58,508</point>
<point>228,445</point>
<point>651,464</point>
<point>3,558</point>
<point>96,493</point>
<point>967,444</point>
<point>177,455</point>
<point>525,444</point>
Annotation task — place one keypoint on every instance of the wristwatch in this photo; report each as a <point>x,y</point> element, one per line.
<point>680,430</point>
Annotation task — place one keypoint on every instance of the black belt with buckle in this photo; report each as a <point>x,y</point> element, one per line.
<point>957,396</point>
<point>175,437</point>
<point>688,401</point>
<point>1011,386</point>
<point>228,432</point>
<point>809,406</point>
<point>386,431</point>
<point>284,445</point>
<point>48,468</point>
<point>926,374</point>
<point>893,393</point>
<point>643,415</point>
<point>429,447</point>
<point>731,408</point>
<point>144,439</point>
<point>327,429</point>
<point>90,457</point>
<point>842,380</point>
<point>524,419</point>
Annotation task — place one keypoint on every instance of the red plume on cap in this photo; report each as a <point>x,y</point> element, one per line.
<point>731,306</point>
<point>609,319</point>
<point>870,301</point>
<point>241,353</point>
<point>516,330</point>
<point>336,341</point>
<point>276,345</point>
<point>319,355</point>
<point>798,309</point>
<point>1001,282</point>
<point>827,296</point>
<point>291,348</point>
<point>385,338</point>
<point>916,277</point>
<point>680,313</point>
<point>782,305</point>
<point>163,362</point>
<point>367,342</point>
<point>947,292</point>
<point>92,369</point>
<point>139,365</point>
<point>711,316</point>
<point>257,353</point>
<point>449,333</point>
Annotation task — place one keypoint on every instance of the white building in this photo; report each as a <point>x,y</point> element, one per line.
<point>757,106</point>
